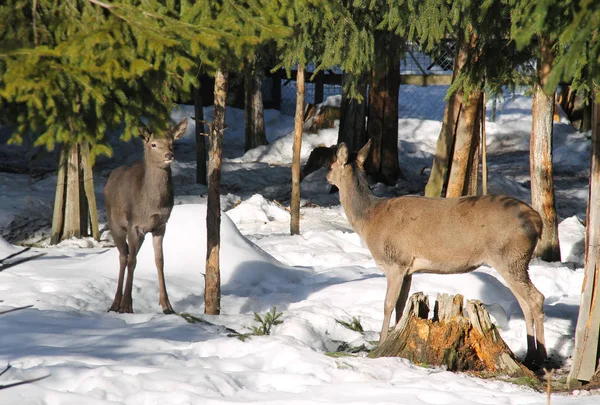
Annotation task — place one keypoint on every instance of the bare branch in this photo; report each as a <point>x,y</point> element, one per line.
<point>32,380</point>
<point>13,310</point>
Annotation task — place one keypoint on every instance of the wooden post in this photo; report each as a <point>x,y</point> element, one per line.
<point>585,353</point>
<point>212,290</point>
<point>298,125</point>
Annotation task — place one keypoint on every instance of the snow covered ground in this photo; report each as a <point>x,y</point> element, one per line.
<point>324,275</point>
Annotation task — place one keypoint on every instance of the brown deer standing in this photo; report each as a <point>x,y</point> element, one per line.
<point>407,235</point>
<point>139,199</point>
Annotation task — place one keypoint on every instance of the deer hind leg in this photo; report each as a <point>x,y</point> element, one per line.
<point>531,301</point>
<point>157,242</point>
<point>135,239</point>
<point>120,239</point>
<point>403,297</point>
<point>395,279</point>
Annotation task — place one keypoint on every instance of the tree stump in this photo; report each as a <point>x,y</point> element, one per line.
<point>461,340</point>
<point>320,117</point>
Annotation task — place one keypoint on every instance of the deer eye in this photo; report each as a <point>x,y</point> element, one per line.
<point>154,145</point>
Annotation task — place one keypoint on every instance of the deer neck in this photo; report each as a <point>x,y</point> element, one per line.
<point>357,199</point>
<point>157,184</point>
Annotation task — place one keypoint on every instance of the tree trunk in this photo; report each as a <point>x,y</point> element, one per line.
<point>200,137</point>
<point>542,184</point>
<point>75,211</point>
<point>212,294</point>
<point>72,222</point>
<point>352,117</point>
<point>468,343</point>
<point>484,169</point>
<point>88,185</point>
<point>382,125</point>
<point>466,140</point>
<point>58,216</point>
<point>445,143</point>
<point>298,124</point>
<point>586,353</point>
<point>253,107</point>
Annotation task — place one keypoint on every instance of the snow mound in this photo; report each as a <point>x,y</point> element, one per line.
<point>242,263</point>
<point>571,234</point>
<point>258,209</point>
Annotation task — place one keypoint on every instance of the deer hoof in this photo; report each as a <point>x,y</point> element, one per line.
<point>168,311</point>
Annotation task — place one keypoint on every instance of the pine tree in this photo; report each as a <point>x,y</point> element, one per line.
<point>484,59</point>
<point>75,68</point>
<point>302,45</point>
<point>547,51</point>
<point>578,59</point>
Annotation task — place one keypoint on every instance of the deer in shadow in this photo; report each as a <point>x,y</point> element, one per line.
<point>139,200</point>
<point>413,234</point>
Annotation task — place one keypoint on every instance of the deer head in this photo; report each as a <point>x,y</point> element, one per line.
<point>342,168</point>
<point>158,150</point>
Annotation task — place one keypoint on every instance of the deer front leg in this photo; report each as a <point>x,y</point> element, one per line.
<point>157,242</point>
<point>120,238</point>
<point>394,281</point>
<point>135,239</point>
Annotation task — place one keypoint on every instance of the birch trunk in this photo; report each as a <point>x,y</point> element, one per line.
<point>542,184</point>
<point>212,294</point>
<point>298,124</point>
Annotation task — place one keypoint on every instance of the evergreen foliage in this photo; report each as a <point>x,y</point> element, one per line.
<point>573,25</point>
<point>73,69</point>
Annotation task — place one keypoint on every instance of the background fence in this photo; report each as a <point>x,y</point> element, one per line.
<point>424,82</point>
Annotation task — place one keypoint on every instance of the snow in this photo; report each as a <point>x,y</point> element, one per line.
<point>314,279</point>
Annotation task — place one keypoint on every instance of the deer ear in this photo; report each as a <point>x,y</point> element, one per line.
<point>342,154</point>
<point>145,133</point>
<point>178,130</point>
<point>362,155</point>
